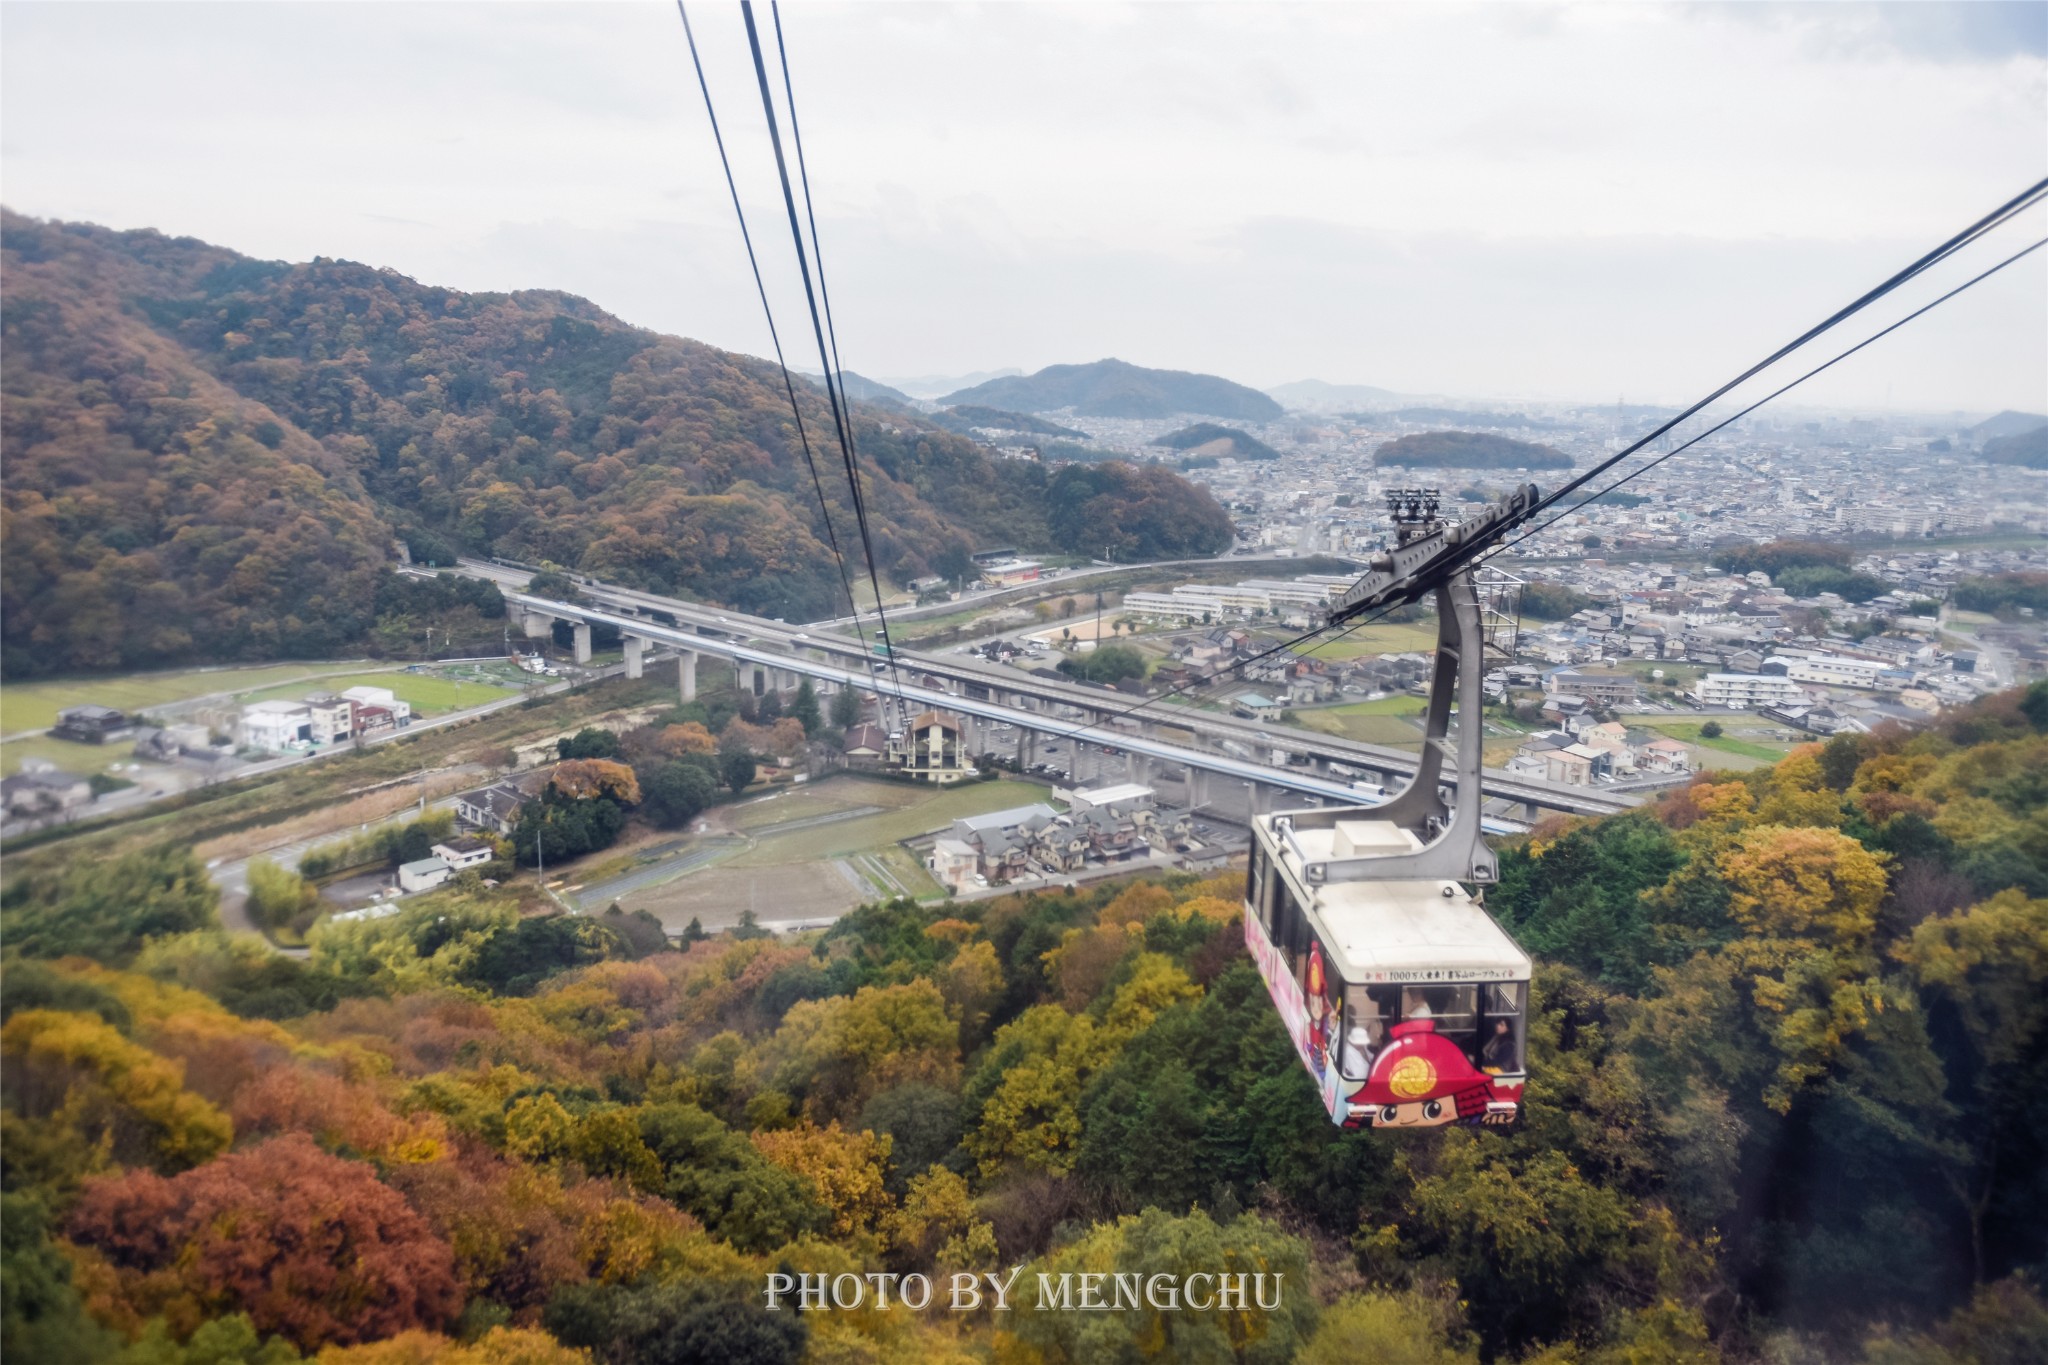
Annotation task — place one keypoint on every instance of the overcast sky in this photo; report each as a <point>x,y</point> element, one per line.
<point>1508,201</point>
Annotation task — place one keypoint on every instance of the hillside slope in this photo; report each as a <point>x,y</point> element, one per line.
<point>1113,388</point>
<point>1469,450</point>
<point>208,456</point>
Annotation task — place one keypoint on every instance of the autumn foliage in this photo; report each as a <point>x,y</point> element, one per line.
<point>310,1246</point>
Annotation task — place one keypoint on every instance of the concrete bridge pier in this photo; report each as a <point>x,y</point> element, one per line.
<point>686,674</point>
<point>536,626</point>
<point>582,633</point>
<point>636,649</point>
<point>1140,769</point>
<point>1195,787</point>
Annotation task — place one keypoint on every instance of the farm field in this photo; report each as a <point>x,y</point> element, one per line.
<point>76,758</point>
<point>34,705</point>
<point>823,869</point>
<point>1387,720</point>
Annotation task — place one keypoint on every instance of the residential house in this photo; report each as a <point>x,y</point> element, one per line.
<point>90,724</point>
<point>1601,689</point>
<point>954,863</point>
<point>1665,756</point>
<point>866,746</point>
<point>401,712</point>
<point>331,719</point>
<point>463,851</point>
<point>172,742</point>
<point>43,789</point>
<point>276,725</point>
<point>932,749</point>
<point>494,808</point>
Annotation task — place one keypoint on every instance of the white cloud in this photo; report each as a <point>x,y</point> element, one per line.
<point>1513,199</point>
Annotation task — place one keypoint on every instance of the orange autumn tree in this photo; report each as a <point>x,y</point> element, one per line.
<point>581,778</point>
<point>308,1245</point>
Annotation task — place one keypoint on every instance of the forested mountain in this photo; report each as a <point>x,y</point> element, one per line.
<point>2009,423</point>
<point>1788,1102</point>
<point>1469,450</point>
<point>864,390</point>
<point>1112,388</point>
<point>2028,448</point>
<point>208,456</point>
<point>1226,440</point>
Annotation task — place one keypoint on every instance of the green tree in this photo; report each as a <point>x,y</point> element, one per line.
<point>588,743</point>
<point>1711,730</point>
<point>845,708</point>
<point>1154,1244</point>
<point>673,794</point>
<point>717,1175</point>
<point>804,707</point>
<point>687,1322</point>
<point>736,770</point>
<point>279,899</point>
<point>105,909</point>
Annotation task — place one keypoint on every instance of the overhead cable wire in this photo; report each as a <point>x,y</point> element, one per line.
<point>840,417</point>
<point>2022,253</point>
<point>788,385</point>
<point>1487,550</point>
<point>2013,207</point>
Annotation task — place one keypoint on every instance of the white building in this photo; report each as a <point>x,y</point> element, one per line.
<point>1744,691</point>
<point>954,863</point>
<point>381,696</point>
<point>276,725</point>
<point>1122,798</point>
<point>424,875</point>
<point>1832,670</point>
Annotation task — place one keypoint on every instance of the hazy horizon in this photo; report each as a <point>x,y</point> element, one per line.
<point>1496,203</point>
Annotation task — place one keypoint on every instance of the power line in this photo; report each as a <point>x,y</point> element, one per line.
<point>774,336</point>
<point>1776,393</point>
<point>840,418</point>
<point>1996,218</point>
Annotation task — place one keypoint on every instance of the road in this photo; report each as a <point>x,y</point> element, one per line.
<point>1044,705</point>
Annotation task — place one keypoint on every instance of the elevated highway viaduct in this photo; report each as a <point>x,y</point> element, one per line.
<point>775,654</point>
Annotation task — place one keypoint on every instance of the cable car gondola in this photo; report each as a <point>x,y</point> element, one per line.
<point>1405,1000</point>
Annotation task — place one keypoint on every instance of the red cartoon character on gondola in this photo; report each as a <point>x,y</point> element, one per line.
<point>1322,1015</point>
<point>1423,1080</point>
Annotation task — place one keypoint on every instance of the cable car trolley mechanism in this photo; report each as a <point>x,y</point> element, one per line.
<point>1405,1000</point>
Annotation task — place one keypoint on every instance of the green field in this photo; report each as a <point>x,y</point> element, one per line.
<point>34,706</point>
<point>1380,639</point>
<point>1689,731</point>
<point>1386,720</point>
<point>428,694</point>
<point>76,758</point>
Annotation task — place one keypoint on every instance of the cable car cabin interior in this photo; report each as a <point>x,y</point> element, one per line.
<point>1404,998</point>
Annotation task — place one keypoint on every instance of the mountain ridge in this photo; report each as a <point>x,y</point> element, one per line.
<point>1117,388</point>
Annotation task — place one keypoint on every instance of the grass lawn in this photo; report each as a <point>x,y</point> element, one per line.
<point>1368,722</point>
<point>76,758</point>
<point>1390,638</point>
<point>429,694</point>
<point>34,705</point>
<point>1689,731</point>
<point>881,830</point>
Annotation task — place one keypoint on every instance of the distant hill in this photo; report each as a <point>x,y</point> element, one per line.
<point>970,417</point>
<point>1313,395</point>
<point>864,390</point>
<point>1112,388</point>
<point>1469,450</point>
<point>2028,449</point>
<point>209,457</point>
<point>2008,423</point>
<point>1244,445</point>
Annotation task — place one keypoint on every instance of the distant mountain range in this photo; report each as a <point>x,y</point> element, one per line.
<point>1313,395</point>
<point>861,389</point>
<point>1469,450</point>
<point>2008,423</point>
<point>2026,448</point>
<point>1114,388</point>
